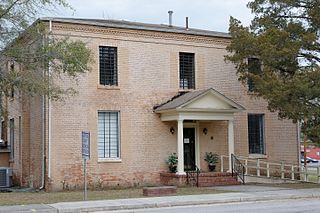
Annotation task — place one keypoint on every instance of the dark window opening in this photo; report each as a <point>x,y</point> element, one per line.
<point>254,67</point>
<point>12,92</point>
<point>2,130</point>
<point>12,66</point>
<point>108,65</point>
<point>187,71</point>
<point>12,139</point>
<point>256,133</point>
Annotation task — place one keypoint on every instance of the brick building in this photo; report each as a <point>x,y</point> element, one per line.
<point>152,90</point>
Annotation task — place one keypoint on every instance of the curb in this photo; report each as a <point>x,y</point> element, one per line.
<point>180,203</point>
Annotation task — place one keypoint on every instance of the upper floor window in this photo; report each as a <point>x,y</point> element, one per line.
<point>256,133</point>
<point>12,69</point>
<point>254,67</point>
<point>2,130</point>
<point>108,65</point>
<point>187,70</point>
<point>12,138</point>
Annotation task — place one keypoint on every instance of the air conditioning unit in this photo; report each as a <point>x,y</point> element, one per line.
<point>5,177</point>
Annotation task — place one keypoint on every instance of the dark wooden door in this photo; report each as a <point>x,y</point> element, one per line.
<point>189,148</point>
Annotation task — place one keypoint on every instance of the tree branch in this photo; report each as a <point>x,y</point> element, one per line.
<point>6,11</point>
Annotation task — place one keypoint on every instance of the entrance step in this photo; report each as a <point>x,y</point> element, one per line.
<point>205,179</point>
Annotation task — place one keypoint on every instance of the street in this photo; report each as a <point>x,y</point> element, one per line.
<point>281,206</point>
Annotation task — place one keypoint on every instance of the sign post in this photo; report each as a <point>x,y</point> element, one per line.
<point>85,157</point>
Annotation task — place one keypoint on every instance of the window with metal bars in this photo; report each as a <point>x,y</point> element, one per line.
<point>187,70</point>
<point>108,135</point>
<point>256,133</point>
<point>254,67</point>
<point>108,65</point>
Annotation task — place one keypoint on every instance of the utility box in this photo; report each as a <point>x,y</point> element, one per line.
<point>5,177</point>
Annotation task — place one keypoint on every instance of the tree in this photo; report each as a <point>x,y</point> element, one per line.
<point>31,58</point>
<point>284,36</point>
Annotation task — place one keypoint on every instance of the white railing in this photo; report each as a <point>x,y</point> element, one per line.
<point>263,168</point>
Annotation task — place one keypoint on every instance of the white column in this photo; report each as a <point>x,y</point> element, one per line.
<point>230,142</point>
<point>180,169</point>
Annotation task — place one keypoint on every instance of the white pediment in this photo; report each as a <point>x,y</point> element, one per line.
<point>208,101</point>
<point>211,100</point>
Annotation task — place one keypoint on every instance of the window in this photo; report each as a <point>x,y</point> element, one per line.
<point>12,92</point>
<point>254,67</point>
<point>12,69</point>
<point>20,138</point>
<point>2,130</point>
<point>187,74</point>
<point>108,135</point>
<point>12,138</point>
<point>256,133</point>
<point>108,65</point>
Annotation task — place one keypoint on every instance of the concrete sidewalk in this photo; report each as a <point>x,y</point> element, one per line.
<point>241,193</point>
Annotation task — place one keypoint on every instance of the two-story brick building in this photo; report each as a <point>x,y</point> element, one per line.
<point>153,90</point>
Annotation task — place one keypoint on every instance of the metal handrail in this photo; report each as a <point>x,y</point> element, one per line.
<point>238,169</point>
<point>193,175</point>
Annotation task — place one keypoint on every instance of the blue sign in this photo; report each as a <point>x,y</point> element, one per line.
<point>86,145</point>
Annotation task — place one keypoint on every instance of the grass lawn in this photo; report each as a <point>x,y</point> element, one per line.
<point>23,198</point>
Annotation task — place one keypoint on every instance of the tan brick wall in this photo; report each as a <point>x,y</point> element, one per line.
<point>148,73</point>
<point>26,162</point>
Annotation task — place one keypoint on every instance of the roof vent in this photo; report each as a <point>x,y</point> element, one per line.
<point>187,23</point>
<point>170,17</point>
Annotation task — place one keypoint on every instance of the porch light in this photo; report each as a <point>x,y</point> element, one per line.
<point>205,131</point>
<point>172,130</point>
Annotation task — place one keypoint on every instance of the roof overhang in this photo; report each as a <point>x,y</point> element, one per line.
<point>199,105</point>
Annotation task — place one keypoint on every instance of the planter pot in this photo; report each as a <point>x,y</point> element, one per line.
<point>212,168</point>
<point>173,169</point>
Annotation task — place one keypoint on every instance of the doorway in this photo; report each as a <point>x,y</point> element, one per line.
<point>189,149</point>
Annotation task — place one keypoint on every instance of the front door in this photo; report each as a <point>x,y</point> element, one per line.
<point>189,148</point>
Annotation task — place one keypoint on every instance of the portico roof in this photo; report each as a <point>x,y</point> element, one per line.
<point>206,104</point>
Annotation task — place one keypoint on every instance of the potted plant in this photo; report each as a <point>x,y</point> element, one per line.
<point>212,159</point>
<point>172,162</point>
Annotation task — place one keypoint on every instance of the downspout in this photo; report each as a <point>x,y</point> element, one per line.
<point>299,142</point>
<point>49,113</point>
<point>43,116</point>
<point>43,143</point>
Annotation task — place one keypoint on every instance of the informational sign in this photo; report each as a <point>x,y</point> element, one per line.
<point>86,145</point>
<point>186,140</point>
<point>85,157</point>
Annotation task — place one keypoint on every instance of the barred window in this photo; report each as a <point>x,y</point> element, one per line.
<point>254,67</point>
<point>187,71</point>
<point>108,135</point>
<point>108,65</point>
<point>256,133</point>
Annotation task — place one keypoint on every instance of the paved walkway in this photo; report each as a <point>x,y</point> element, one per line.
<point>241,193</point>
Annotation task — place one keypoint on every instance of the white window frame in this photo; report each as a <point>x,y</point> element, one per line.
<point>113,159</point>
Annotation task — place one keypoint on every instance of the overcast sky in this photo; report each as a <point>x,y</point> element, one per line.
<point>203,14</point>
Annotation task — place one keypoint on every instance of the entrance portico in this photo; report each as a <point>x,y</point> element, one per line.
<point>203,105</point>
